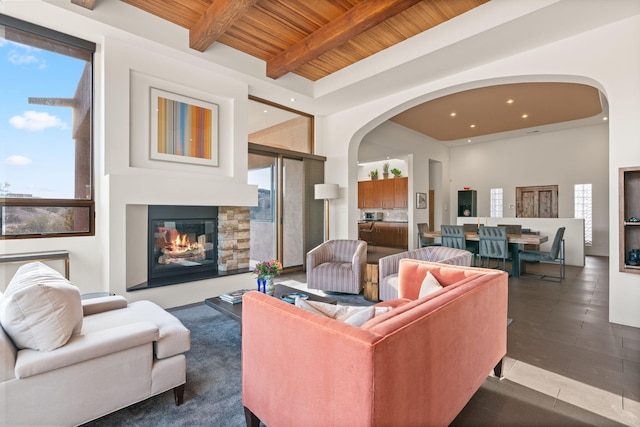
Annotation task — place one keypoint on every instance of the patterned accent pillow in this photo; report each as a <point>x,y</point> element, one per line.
<point>353,315</point>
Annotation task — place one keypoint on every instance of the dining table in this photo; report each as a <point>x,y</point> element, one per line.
<point>514,241</point>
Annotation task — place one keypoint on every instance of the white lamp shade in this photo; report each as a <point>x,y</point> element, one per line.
<point>326,191</point>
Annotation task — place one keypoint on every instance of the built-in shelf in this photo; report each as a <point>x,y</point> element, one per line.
<point>629,188</point>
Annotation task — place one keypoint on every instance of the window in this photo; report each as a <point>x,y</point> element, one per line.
<point>496,203</point>
<point>46,80</point>
<point>280,127</point>
<point>582,210</point>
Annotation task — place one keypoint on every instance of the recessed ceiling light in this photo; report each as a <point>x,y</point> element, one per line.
<point>453,114</point>
<point>509,101</point>
<point>468,140</point>
<point>605,118</point>
<point>472,126</point>
<point>265,111</point>
<point>293,99</point>
<point>524,116</point>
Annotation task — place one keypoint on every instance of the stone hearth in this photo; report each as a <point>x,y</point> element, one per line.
<point>233,238</point>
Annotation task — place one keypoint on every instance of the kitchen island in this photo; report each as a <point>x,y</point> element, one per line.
<point>393,234</point>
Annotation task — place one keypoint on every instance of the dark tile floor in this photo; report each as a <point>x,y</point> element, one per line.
<point>566,364</point>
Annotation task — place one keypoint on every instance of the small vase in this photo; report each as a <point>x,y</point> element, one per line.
<point>261,285</point>
<point>269,287</point>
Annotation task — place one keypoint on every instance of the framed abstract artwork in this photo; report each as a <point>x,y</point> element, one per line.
<point>183,129</point>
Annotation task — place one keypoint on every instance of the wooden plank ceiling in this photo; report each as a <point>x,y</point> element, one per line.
<point>310,38</point>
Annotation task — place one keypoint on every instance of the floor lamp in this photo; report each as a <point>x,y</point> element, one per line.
<point>326,192</point>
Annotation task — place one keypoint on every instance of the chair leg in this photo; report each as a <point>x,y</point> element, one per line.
<point>178,394</point>
<point>250,418</point>
<point>497,370</point>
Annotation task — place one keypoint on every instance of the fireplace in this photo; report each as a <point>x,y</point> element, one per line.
<point>182,244</point>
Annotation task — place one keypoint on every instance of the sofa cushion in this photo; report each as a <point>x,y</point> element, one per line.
<point>174,337</point>
<point>40,309</point>
<point>429,285</point>
<point>353,315</point>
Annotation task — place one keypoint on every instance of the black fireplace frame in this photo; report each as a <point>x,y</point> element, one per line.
<point>180,274</point>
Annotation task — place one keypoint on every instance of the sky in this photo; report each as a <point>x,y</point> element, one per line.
<point>36,147</point>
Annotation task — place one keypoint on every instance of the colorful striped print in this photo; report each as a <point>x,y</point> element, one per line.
<point>183,129</point>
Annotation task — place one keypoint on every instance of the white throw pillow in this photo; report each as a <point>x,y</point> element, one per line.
<point>40,309</point>
<point>353,315</point>
<point>429,285</point>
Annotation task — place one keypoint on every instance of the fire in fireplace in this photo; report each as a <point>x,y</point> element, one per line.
<point>182,244</point>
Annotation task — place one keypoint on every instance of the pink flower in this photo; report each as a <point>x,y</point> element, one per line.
<point>267,268</point>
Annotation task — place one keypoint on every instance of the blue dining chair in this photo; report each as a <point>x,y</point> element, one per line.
<point>494,244</point>
<point>452,236</point>
<point>554,256</point>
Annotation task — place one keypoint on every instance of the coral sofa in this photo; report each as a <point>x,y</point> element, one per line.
<point>415,365</point>
<point>65,361</point>
<point>388,266</point>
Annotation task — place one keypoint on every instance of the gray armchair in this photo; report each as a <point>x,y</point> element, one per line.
<point>554,256</point>
<point>337,265</point>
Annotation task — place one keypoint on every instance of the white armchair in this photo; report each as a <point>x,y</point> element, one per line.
<point>337,265</point>
<point>66,361</point>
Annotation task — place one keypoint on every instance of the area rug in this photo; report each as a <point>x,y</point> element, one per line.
<point>213,395</point>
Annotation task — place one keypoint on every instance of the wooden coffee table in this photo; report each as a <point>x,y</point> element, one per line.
<point>234,311</point>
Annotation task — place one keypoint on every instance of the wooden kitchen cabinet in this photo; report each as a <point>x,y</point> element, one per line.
<point>366,195</point>
<point>401,192</point>
<point>385,190</point>
<point>383,193</point>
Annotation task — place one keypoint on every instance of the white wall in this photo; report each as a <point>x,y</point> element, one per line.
<point>564,158</point>
<point>611,64</point>
<point>126,179</point>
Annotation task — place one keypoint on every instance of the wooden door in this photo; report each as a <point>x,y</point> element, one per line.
<point>537,202</point>
<point>432,199</point>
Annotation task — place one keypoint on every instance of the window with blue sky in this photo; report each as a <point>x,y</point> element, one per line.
<point>45,131</point>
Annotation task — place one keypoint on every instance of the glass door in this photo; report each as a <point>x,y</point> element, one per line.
<point>277,223</point>
<point>262,172</point>
<point>292,213</point>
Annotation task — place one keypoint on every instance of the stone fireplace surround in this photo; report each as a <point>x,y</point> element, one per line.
<point>233,243</point>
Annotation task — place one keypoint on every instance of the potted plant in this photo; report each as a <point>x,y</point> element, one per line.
<point>396,173</point>
<point>385,170</point>
<point>374,174</point>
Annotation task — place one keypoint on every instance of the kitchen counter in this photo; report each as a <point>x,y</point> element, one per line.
<point>384,233</point>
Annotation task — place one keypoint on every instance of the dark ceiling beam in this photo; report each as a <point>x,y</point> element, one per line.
<point>359,18</point>
<point>221,15</point>
<point>88,4</point>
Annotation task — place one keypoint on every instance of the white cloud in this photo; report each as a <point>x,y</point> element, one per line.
<point>21,54</point>
<point>21,58</point>
<point>35,121</point>
<point>17,160</point>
